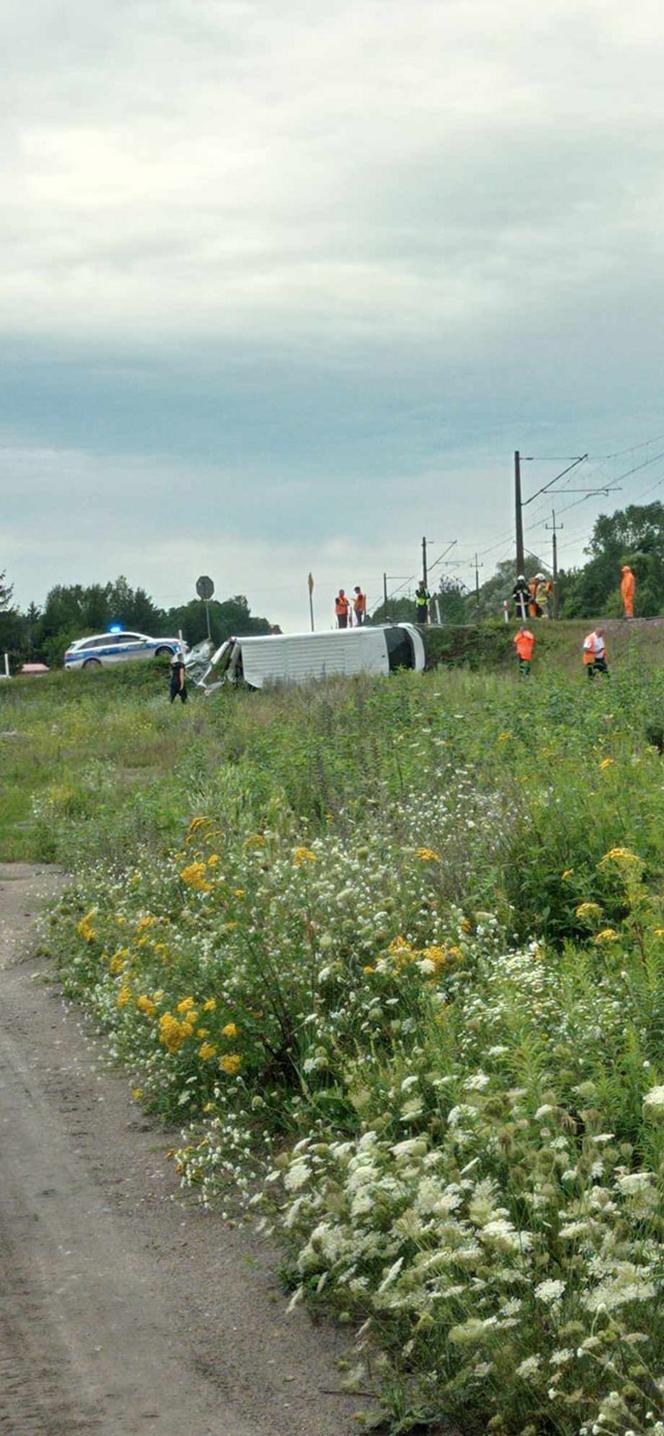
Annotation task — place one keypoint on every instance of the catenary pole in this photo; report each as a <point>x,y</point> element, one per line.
<point>554,530</point>
<point>518,513</point>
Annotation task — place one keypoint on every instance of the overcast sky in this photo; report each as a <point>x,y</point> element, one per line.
<point>284,283</point>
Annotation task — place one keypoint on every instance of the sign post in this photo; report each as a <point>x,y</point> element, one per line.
<point>310,586</point>
<point>205,590</point>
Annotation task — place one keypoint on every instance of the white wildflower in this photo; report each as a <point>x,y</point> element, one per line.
<point>391,1274</point>
<point>573,1229</point>
<point>634,1182</point>
<point>654,1100</point>
<point>296,1176</point>
<point>549,1291</point>
<point>561,1357</point>
<point>528,1367</point>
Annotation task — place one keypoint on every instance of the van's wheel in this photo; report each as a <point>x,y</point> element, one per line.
<point>163,653</point>
<point>92,663</point>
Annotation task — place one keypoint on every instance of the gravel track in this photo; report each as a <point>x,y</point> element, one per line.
<point>124,1307</point>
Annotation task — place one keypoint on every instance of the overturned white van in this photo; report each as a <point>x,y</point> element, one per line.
<point>296,657</point>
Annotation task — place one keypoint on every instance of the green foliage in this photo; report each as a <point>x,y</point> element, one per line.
<point>233,617</point>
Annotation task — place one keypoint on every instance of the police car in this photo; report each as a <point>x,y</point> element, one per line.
<point>117,646</point>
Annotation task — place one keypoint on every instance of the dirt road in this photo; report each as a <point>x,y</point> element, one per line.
<point>125,1309</point>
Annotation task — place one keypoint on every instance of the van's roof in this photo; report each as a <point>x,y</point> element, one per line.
<point>320,633</point>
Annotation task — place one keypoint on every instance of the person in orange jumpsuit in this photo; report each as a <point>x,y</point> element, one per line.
<point>524,643</point>
<point>627,586</point>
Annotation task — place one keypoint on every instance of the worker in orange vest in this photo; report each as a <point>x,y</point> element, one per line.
<point>627,586</point>
<point>342,608</point>
<point>359,606</point>
<point>594,653</point>
<point>524,643</point>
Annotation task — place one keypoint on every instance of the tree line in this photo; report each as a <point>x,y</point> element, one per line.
<point>634,535</point>
<point>41,634</point>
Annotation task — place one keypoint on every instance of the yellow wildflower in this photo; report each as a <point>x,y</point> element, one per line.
<point>194,876</point>
<point>238,892</point>
<point>171,1032</point>
<point>207,1050</point>
<point>620,855</point>
<point>124,996</point>
<point>303,855</point>
<point>213,860</point>
<point>435,954</point>
<point>230,1063</point>
<point>230,1030</point>
<point>117,961</point>
<point>137,1093</point>
<point>145,1004</point>
<point>658,931</point>
<point>503,737</point>
<point>84,926</point>
<point>255,840</point>
<point>567,873</point>
<point>146,921</point>
<point>606,763</point>
<point>368,968</point>
<point>185,1005</point>
<point>427,855</point>
<point>588,910</point>
<point>608,934</point>
<point>209,1004</point>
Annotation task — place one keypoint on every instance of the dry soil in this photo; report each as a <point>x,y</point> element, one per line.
<point>124,1307</point>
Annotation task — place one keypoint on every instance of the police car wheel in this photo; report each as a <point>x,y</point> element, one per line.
<point>92,663</point>
<point>163,652</point>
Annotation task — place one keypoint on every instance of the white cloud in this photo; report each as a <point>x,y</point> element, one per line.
<point>193,169</point>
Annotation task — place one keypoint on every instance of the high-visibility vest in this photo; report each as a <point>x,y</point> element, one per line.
<point>341,605</point>
<point>360,602</point>
<point>524,644</point>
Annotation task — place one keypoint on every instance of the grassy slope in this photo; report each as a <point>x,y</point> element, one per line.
<point>558,644</point>
<point>98,741</point>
